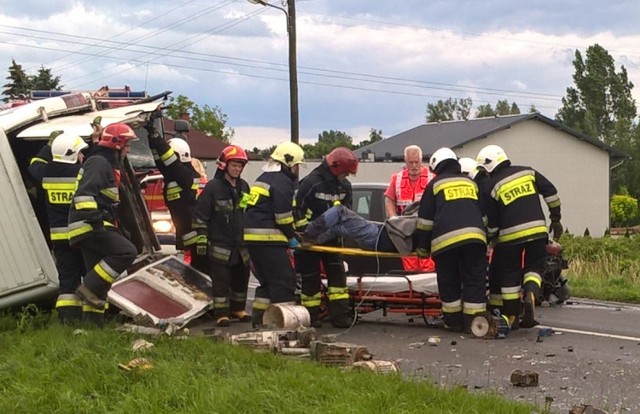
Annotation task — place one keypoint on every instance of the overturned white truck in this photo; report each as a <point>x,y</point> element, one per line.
<point>27,270</point>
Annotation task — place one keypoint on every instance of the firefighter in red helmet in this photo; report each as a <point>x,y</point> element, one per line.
<point>218,220</point>
<point>93,220</point>
<point>326,186</point>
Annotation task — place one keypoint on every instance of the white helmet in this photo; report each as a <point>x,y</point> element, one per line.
<point>181,148</point>
<point>66,147</point>
<point>490,157</point>
<point>439,156</point>
<point>288,153</point>
<point>468,166</point>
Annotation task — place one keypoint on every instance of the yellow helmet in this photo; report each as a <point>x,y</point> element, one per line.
<point>288,153</point>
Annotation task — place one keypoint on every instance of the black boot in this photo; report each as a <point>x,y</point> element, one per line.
<point>256,317</point>
<point>314,317</point>
<point>342,316</point>
<point>69,315</point>
<point>92,316</point>
<point>528,317</point>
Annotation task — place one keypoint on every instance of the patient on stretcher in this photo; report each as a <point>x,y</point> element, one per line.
<point>396,234</point>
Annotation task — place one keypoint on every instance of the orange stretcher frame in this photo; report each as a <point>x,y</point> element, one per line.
<point>411,301</point>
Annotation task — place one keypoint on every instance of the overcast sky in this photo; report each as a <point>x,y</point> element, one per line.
<point>362,64</point>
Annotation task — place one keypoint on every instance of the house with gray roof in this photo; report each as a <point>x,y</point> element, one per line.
<point>579,166</point>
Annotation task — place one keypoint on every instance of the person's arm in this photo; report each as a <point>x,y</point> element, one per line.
<point>390,198</point>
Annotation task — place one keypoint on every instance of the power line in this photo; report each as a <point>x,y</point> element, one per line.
<point>255,76</point>
<point>327,73</point>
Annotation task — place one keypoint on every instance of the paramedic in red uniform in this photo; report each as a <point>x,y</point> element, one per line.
<point>405,188</point>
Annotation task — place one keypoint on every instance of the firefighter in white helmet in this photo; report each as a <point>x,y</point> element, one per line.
<point>517,226</point>
<point>451,227</point>
<point>181,186</point>
<point>59,183</point>
<point>269,228</point>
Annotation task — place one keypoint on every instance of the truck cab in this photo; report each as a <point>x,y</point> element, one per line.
<point>29,273</point>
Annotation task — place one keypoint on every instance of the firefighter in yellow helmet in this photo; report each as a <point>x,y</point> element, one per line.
<point>269,228</point>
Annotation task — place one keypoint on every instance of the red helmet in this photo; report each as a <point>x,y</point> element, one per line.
<point>231,153</point>
<point>342,160</point>
<point>115,136</point>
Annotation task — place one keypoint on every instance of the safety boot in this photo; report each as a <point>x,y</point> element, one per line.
<point>241,316</point>
<point>93,316</point>
<point>256,318</point>
<point>223,321</point>
<point>69,315</point>
<point>90,298</point>
<point>528,317</point>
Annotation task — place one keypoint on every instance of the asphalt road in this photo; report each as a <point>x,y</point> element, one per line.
<point>591,358</point>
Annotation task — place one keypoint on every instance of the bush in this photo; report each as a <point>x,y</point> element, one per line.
<point>624,210</point>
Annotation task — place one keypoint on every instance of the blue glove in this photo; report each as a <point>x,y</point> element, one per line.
<point>201,246</point>
<point>294,243</point>
<point>422,252</point>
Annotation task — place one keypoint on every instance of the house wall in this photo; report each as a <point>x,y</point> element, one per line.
<point>578,169</point>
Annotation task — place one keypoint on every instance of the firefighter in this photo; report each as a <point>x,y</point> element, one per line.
<point>218,220</point>
<point>269,229</point>
<point>181,186</point>
<point>59,182</point>
<point>93,220</point>
<point>405,188</point>
<point>451,227</point>
<point>36,168</point>
<point>516,226</point>
<point>326,186</point>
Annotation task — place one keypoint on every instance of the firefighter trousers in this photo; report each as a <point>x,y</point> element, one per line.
<point>308,264</point>
<point>519,266</point>
<point>462,283</point>
<point>230,283</point>
<point>106,254</point>
<point>274,271</point>
<point>70,266</point>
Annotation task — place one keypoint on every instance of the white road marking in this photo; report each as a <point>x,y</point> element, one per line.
<point>600,334</point>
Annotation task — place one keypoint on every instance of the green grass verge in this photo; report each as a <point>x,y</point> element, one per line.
<point>45,368</point>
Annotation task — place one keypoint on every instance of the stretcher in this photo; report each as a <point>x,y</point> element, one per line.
<point>409,294</point>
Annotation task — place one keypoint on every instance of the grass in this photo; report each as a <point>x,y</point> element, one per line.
<point>46,368</point>
<point>604,269</point>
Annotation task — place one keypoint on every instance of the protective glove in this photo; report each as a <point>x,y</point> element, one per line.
<point>556,228</point>
<point>293,243</point>
<point>201,246</point>
<point>422,252</point>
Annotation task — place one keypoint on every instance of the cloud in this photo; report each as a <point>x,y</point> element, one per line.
<point>361,64</point>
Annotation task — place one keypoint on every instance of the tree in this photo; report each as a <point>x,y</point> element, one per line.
<point>44,80</point>
<point>211,121</point>
<point>375,135</point>
<point>502,108</point>
<point>600,103</point>
<point>327,141</point>
<point>449,110</point>
<point>19,83</point>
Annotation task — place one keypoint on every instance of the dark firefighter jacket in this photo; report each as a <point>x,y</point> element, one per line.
<point>181,184</point>
<point>38,163</point>
<point>318,192</point>
<point>514,209</point>
<point>269,214</point>
<point>450,213</point>
<point>219,217</point>
<point>59,184</point>
<point>94,203</point>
